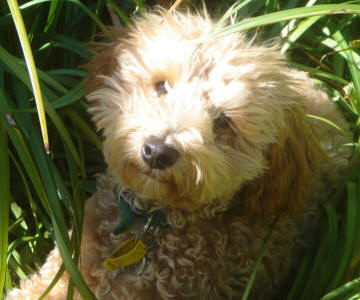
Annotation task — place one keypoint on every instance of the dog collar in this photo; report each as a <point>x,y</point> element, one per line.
<point>128,214</point>
<point>135,249</point>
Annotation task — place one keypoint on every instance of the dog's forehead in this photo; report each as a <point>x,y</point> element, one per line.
<point>169,55</point>
<point>164,49</point>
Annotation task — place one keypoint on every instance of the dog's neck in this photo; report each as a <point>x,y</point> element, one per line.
<point>174,217</point>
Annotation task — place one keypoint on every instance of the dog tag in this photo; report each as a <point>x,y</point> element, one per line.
<point>128,253</point>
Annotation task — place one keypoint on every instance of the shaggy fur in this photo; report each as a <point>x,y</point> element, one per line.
<point>248,153</point>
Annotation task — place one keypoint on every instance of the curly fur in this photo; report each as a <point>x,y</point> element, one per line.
<point>229,183</point>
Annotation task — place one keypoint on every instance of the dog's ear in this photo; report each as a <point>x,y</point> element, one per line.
<point>105,59</point>
<point>103,64</point>
<point>285,185</point>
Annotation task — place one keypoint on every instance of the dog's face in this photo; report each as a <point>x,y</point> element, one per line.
<point>189,123</point>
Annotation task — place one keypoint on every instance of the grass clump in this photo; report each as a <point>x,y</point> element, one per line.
<point>42,194</point>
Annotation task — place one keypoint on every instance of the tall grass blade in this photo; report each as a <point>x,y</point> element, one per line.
<point>25,156</point>
<point>77,2</point>
<point>120,12</point>
<point>321,73</point>
<point>285,15</point>
<point>4,203</point>
<point>332,259</point>
<point>20,27</point>
<point>71,267</point>
<point>258,261</point>
<point>315,274</point>
<point>89,13</point>
<point>353,66</point>
<point>26,187</point>
<point>53,282</point>
<point>85,129</point>
<point>300,29</point>
<point>58,220</point>
<point>350,287</point>
<point>229,13</point>
<point>338,128</point>
<point>350,233</point>
<point>17,69</point>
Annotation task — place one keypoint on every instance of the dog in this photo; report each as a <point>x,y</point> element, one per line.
<point>210,152</point>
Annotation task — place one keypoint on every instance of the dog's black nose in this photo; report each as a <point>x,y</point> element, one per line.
<point>157,154</point>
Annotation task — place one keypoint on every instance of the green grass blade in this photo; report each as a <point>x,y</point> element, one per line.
<point>298,32</point>
<point>20,27</point>
<point>26,186</point>
<point>18,242</point>
<point>77,2</point>
<point>261,254</point>
<point>58,122</point>
<point>338,65</point>
<point>73,45</point>
<point>53,282</point>
<point>120,12</point>
<point>287,29</point>
<point>301,277</point>
<point>334,45</point>
<point>18,71</point>
<point>330,263</point>
<point>140,5</point>
<point>295,13</point>
<point>320,73</point>
<point>52,15</point>
<point>66,76</point>
<point>85,129</point>
<point>229,14</point>
<point>89,13</point>
<point>45,166</point>
<point>71,267</point>
<point>4,20</point>
<point>24,154</point>
<point>355,264</point>
<point>315,274</point>
<point>352,286</point>
<point>350,234</point>
<point>338,128</point>
<point>72,96</point>
<point>69,72</point>
<point>16,66</point>
<point>353,67</point>
<point>4,204</point>
<point>333,232</point>
<point>14,264</point>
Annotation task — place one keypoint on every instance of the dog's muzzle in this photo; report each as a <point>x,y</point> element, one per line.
<point>157,154</point>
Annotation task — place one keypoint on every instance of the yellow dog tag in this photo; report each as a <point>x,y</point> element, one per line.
<point>126,254</point>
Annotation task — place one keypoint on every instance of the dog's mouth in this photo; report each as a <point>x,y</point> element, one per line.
<point>156,175</point>
<point>173,187</point>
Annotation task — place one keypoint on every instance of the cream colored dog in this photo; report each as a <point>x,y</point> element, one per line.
<point>213,136</point>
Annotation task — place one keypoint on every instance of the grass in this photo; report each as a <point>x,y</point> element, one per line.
<point>44,183</point>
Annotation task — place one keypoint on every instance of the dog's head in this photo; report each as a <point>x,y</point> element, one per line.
<point>189,123</point>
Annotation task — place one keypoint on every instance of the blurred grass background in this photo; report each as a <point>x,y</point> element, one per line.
<point>42,194</point>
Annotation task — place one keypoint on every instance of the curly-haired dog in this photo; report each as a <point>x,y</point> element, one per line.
<point>212,136</point>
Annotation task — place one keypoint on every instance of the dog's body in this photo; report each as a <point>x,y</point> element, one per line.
<point>214,134</point>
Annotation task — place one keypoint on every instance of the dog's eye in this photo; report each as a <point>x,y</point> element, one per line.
<point>221,122</point>
<point>161,88</point>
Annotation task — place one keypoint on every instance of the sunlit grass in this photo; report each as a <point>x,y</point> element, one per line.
<point>42,195</point>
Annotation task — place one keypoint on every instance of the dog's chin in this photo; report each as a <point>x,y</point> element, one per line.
<point>159,187</point>
<point>156,175</point>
